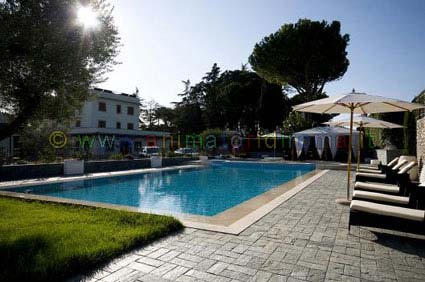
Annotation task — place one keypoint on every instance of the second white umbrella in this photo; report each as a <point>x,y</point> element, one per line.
<point>351,103</point>
<point>364,122</point>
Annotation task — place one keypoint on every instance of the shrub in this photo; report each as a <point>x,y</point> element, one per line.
<point>117,156</point>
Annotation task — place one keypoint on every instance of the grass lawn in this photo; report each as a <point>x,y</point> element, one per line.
<point>42,241</point>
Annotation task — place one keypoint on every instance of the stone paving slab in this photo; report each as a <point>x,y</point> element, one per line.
<point>304,239</point>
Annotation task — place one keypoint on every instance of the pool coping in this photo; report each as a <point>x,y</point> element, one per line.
<point>61,179</point>
<point>231,221</point>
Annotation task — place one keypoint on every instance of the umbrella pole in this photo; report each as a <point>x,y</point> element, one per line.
<point>350,142</point>
<point>359,147</point>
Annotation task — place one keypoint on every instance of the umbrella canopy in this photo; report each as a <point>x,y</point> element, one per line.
<point>364,122</point>
<point>356,103</point>
<point>361,103</point>
<point>274,135</point>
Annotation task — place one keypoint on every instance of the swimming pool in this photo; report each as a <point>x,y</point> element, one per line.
<point>205,191</point>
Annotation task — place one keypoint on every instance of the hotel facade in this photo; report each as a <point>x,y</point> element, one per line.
<point>108,123</point>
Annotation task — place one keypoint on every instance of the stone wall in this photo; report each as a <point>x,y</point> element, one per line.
<point>32,171</point>
<point>177,161</point>
<point>106,166</point>
<point>29,171</point>
<point>420,141</point>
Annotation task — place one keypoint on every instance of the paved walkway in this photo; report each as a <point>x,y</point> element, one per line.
<point>304,239</point>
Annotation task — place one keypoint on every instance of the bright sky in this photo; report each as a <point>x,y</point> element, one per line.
<point>167,41</point>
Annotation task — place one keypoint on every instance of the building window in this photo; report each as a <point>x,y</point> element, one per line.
<point>130,111</point>
<point>130,126</point>
<point>118,109</point>
<point>102,107</point>
<point>101,124</point>
<point>118,125</point>
<point>78,123</point>
<point>17,144</point>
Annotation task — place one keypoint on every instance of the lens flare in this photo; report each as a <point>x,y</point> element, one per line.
<point>87,17</point>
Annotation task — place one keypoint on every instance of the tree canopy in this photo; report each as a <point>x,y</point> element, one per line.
<point>305,55</point>
<point>236,99</point>
<point>247,100</point>
<point>48,61</point>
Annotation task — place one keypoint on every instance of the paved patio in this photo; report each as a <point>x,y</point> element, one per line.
<point>304,239</point>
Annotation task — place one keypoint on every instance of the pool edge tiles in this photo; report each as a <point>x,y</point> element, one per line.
<point>237,219</point>
<point>233,220</point>
<point>61,179</point>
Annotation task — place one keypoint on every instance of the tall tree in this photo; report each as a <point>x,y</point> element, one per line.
<point>246,99</point>
<point>166,116</point>
<point>188,119</point>
<point>186,93</point>
<point>149,113</point>
<point>273,106</point>
<point>305,56</point>
<point>188,112</point>
<point>191,94</point>
<point>210,89</point>
<point>229,100</point>
<point>48,60</point>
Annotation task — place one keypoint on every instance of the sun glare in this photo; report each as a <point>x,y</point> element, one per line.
<point>87,17</point>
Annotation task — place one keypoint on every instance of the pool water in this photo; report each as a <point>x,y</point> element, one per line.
<point>202,191</point>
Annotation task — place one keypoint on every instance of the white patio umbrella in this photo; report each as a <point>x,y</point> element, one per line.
<point>351,103</point>
<point>363,121</point>
<point>274,135</point>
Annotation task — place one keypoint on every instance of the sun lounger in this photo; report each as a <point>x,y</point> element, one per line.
<point>381,198</point>
<point>370,170</point>
<point>393,162</point>
<point>377,187</point>
<point>374,165</point>
<point>402,182</point>
<point>388,210</point>
<point>363,213</point>
<point>387,176</point>
<point>369,214</point>
<point>407,193</point>
<point>383,169</point>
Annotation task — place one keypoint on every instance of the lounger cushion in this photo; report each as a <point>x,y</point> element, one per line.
<point>377,187</point>
<point>407,158</point>
<point>371,175</point>
<point>366,195</point>
<point>412,169</point>
<point>407,167</point>
<point>387,210</point>
<point>375,162</point>
<point>400,164</point>
<point>367,170</point>
<point>393,162</point>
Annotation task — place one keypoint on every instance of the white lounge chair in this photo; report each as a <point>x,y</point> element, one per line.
<point>370,170</point>
<point>364,213</point>
<point>377,166</point>
<point>381,197</point>
<point>377,187</point>
<point>402,181</point>
<point>387,175</point>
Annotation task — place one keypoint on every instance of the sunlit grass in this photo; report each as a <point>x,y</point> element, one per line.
<point>46,241</point>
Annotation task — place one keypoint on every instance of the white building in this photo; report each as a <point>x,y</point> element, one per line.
<point>9,146</point>
<point>109,123</point>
